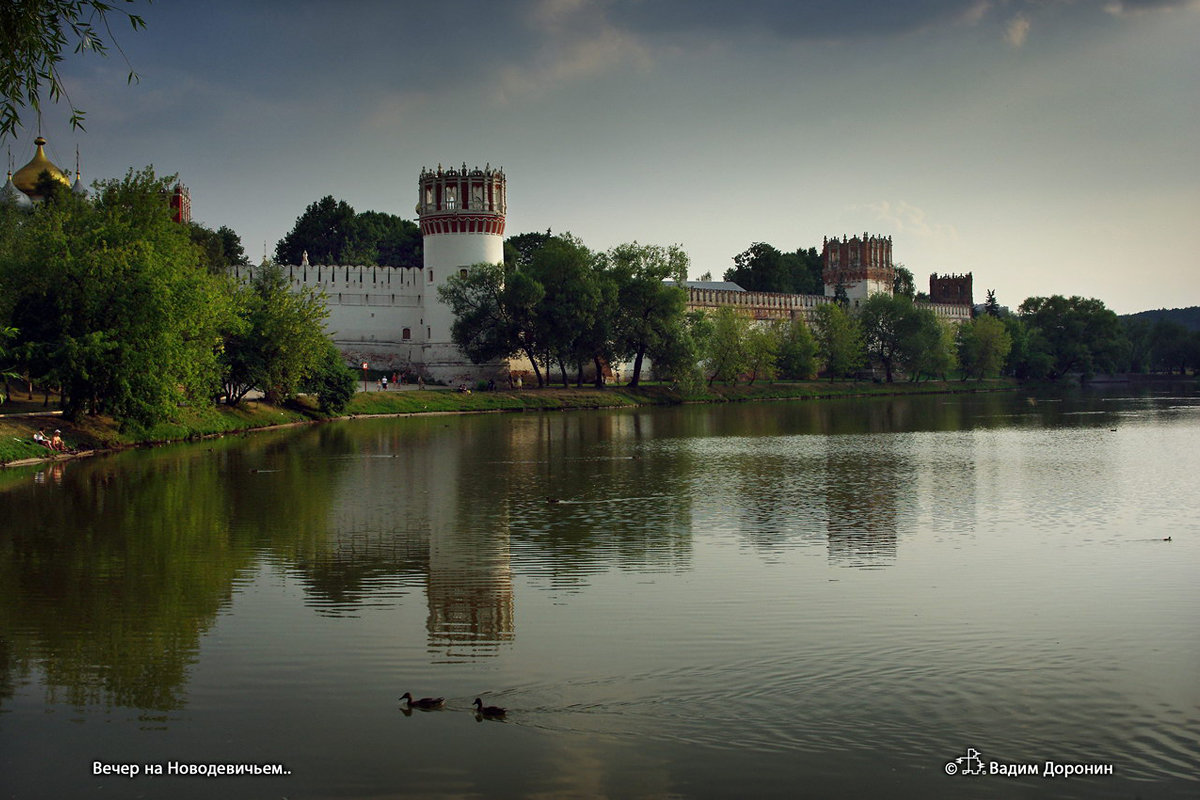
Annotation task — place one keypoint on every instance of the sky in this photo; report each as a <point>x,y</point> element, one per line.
<point>1045,146</point>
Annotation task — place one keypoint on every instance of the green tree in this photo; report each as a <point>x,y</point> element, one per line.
<point>903,283</point>
<point>928,346</point>
<point>797,352</point>
<point>727,355</point>
<point>983,346</point>
<point>764,341</point>
<point>1026,358</point>
<point>675,354</point>
<point>495,310</point>
<point>111,305</point>
<point>35,33</point>
<point>839,340</point>
<point>1074,334</point>
<point>519,249</point>
<point>571,309</point>
<point>1171,346</point>
<point>331,380</point>
<point>650,299</point>
<point>763,268</point>
<point>990,306</point>
<point>1138,331</point>
<point>326,231</point>
<point>387,239</point>
<point>7,361</point>
<point>331,232</point>
<point>219,249</point>
<point>889,324</point>
<point>277,341</point>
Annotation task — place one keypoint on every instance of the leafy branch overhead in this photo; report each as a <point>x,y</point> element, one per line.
<point>34,35</point>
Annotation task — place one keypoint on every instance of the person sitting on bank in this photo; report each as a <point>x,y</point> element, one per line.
<point>40,438</point>
<point>57,443</point>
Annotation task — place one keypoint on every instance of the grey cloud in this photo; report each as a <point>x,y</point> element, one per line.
<point>802,19</point>
<point>821,20</point>
<point>1142,6</point>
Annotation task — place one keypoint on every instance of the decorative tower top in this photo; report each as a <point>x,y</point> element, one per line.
<point>13,196</point>
<point>861,266</point>
<point>26,177</point>
<point>78,187</point>
<point>181,204</point>
<point>462,200</point>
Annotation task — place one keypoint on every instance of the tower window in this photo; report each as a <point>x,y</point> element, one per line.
<point>431,276</point>
<point>462,273</point>
<point>406,334</point>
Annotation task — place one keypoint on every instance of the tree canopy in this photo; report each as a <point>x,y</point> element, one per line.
<point>558,303</point>
<point>131,314</point>
<point>1073,334</point>
<point>277,340</point>
<point>839,340</point>
<point>763,268</point>
<point>331,232</point>
<point>110,305</point>
<point>649,298</point>
<point>219,249</point>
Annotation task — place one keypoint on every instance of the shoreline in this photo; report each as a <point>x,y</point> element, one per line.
<point>100,435</point>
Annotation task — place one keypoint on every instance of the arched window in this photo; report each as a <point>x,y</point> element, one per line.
<point>462,273</point>
<point>406,334</point>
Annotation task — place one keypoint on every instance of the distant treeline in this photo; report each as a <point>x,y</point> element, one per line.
<point>1187,317</point>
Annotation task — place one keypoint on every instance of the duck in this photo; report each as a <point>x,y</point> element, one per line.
<point>552,500</point>
<point>488,711</point>
<point>427,703</point>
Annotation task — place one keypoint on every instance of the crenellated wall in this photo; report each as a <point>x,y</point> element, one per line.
<point>376,314</point>
<point>772,305</point>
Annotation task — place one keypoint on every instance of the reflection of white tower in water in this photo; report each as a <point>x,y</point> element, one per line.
<point>462,224</point>
<point>469,589</point>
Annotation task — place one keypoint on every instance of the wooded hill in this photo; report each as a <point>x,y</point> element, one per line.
<point>1188,317</point>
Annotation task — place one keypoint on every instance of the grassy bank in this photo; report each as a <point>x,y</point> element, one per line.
<point>100,433</point>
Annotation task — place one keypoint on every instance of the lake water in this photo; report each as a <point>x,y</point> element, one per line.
<point>831,599</point>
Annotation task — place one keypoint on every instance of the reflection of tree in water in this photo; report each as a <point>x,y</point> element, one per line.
<point>324,502</point>
<point>109,577</point>
<point>587,497</point>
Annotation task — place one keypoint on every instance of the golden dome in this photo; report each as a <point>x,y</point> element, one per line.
<point>26,177</point>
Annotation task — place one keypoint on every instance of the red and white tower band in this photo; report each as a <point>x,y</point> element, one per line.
<point>861,266</point>
<point>462,224</point>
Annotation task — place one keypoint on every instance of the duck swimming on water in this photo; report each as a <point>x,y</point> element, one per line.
<point>488,711</point>
<point>427,703</point>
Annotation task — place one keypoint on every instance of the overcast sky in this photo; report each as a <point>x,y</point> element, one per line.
<point>1047,146</point>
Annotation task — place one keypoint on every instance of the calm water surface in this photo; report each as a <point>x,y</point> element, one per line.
<point>799,599</point>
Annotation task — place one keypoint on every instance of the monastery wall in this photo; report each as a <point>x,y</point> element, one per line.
<point>772,305</point>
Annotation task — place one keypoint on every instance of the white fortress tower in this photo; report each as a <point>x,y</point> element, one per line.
<point>462,223</point>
